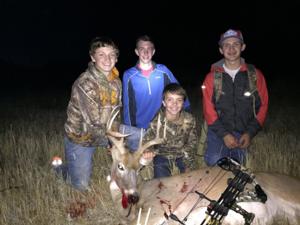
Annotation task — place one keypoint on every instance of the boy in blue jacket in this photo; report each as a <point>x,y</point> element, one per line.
<point>143,86</point>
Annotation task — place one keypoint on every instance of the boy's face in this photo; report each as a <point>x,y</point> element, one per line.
<point>173,103</point>
<point>232,48</point>
<point>145,50</point>
<point>105,59</point>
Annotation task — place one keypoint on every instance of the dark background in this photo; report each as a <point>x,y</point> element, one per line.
<point>44,44</point>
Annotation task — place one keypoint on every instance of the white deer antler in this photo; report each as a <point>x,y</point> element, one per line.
<point>155,141</point>
<point>113,135</point>
<point>138,222</point>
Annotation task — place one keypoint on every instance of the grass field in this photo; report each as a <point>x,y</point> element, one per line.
<point>31,133</point>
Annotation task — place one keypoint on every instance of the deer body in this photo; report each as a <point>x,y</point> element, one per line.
<point>160,198</point>
<point>176,195</point>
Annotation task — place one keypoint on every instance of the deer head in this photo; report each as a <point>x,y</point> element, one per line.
<point>125,166</point>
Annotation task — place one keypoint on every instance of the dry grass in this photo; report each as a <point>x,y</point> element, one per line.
<point>30,135</point>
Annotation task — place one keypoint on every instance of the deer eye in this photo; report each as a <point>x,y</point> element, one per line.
<point>121,167</point>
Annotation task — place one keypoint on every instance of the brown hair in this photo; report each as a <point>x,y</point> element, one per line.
<point>174,88</point>
<point>99,42</point>
<point>144,38</point>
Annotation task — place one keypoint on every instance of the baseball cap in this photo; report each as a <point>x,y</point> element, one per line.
<point>231,33</point>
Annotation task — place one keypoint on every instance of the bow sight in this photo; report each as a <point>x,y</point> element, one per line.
<point>217,210</point>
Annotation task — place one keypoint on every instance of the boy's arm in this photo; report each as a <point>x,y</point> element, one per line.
<point>264,97</point>
<point>190,147</point>
<point>209,111</point>
<point>125,100</point>
<point>256,124</point>
<point>89,105</point>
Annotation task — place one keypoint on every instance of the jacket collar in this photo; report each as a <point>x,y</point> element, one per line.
<point>218,66</point>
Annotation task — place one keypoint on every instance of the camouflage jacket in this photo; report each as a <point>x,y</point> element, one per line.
<point>180,137</point>
<point>92,99</point>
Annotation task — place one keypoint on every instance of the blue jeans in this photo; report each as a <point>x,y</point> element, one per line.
<point>78,164</point>
<point>216,149</point>
<point>163,166</point>
<point>133,140</point>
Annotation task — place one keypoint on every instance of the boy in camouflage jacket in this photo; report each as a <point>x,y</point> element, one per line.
<point>94,95</point>
<point>178,128</point>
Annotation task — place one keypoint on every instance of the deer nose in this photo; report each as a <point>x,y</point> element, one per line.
<point>133,198</point>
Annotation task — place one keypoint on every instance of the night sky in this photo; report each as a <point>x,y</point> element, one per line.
<point>45,43</point>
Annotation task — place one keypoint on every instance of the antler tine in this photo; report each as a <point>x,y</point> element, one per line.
<point>112,117</point>
<point>155,141</point>
<point>113,135</point>
<point>110,121</point>
<point>118,143</point>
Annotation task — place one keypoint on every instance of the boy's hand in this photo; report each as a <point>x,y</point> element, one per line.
<point>148,155</point>
<point>230,141</point>
<point>244,141</point>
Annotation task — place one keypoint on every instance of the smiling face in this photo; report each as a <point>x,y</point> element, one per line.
<point>173,104</point>
<point>105,59</point>
<point>145,50</point>
<point>232,48</point>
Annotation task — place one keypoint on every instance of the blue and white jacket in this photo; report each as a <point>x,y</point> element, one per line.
<point>142,96</point>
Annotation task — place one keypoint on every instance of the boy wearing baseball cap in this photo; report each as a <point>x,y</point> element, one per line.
<point>233,109</point>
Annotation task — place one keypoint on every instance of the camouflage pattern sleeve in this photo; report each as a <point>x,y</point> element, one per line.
<point>189,149</point>
<point>88,100</point>
<point>93,97</point>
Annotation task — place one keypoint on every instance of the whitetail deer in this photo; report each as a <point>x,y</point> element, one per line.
<point>185,197</point>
